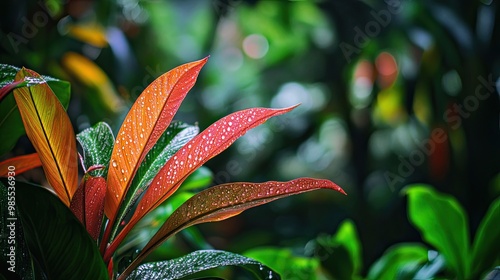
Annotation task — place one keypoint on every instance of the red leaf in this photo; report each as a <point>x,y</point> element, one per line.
<point>20,163</point>
<point>224,201</point>
<point>212,141</point>
<point>88,204</point>
<point>144,124</point>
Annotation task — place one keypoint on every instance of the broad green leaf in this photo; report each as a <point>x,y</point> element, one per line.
<point>284,262</point>
<point>20,164</point>
<point>51,133</point>
<point>144,124</point>
<point>88,204</point>
<point>485,250</point>
<point>11,126</point>
<point>443,224</point>
<point>97,144</point>
<point>344,243</point>
<point>212,141</point>
<point>176,136</point>
<point>224,201</point>
<point>56,239</point>
<point>396,260</point>
<point>14,251</point>
<point>196,262</point>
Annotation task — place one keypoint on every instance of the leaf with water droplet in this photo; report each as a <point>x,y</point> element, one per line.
<point>88,204</point>
<point>176,136</point>
<point>199,261</point>
<point>50,131</point>
<point>194,154</point>
<point>97,143</point>
<point>22,164</point>
<point>227,200</point>
<point>150,116</point>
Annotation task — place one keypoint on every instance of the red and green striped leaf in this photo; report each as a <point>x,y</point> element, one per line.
<point>20,163</point>
<point>88,204</point>
<point>224,201</point>
<point>143,126</point>
<point>51,133</point>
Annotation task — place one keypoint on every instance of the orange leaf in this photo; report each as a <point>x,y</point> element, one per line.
<point>51,133</point>
<point>144,124</point>
<point>20,163</point>
<point>88,204</point>
<point>224,201</point>
<point>212,141</point>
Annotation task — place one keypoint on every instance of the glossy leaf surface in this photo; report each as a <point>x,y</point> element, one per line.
<point>176,136</point>
<point>11,125</point>
<point>146,121</point>
<point>487,241</point>
<point>224,201</point>
<point>20,163</point>
<point>396,259</point>
<point>97,144</point>
<point>88,204</point>
<point>51,133</point>
<point>212,141</point>
<point>443,224</point>
<point>199,261</point>
<point>288,265</point>
<point>50,229</point>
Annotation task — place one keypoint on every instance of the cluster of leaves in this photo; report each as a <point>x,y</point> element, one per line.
<point>125,179</point>
<point>443,225</point>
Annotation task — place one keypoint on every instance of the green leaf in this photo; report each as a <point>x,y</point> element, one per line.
<point>341,253</point>
<point>97,143</point>
<point>18,261</point>
<point>56,239</point>
<point>285,263</point>
<point>200,261</point>
<point>485,249</point>
<point>200,178</point>
<point>443,224</point>
<point>11,125</point>
<point>396,260</point>
<point>176,136</point>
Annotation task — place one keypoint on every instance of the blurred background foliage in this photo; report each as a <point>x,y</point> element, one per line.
<point>393,92</point>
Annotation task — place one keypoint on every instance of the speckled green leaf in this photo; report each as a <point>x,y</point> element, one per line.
<point>176,136</point>
<point>11,125</point>
<point>200,261</point>
<point>97,143</point>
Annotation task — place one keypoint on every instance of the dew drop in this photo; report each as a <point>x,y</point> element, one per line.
<point>114,164</point>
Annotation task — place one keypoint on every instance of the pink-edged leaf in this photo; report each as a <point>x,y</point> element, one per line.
<point>20,164</point>
<point>88,204</point>
<point>209,143</point>
<point>144,124</point>
<point>224,201</point>
<point>50,131</point>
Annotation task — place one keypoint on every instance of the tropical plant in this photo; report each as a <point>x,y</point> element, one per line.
<point>124,179</point>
